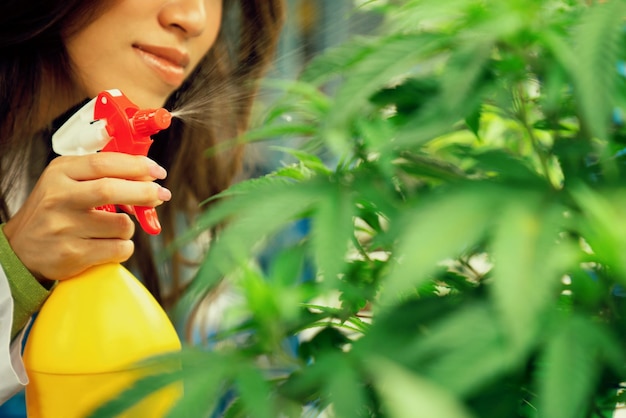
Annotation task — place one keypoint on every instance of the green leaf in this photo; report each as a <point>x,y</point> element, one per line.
<point>304,388</point>
<point>601,225</point>
<point>277,205</point>
<point>424,166</point>
<point>247,186</point>
<point>300,98</point>
<point>437,230</point>
<point>506,167</point>
<point>337,60</point>
<point>347,394</point>
<point>408,395</point>
<point>462,89</point>
<point>185,372</point>
<point>141,389</point>
<point>277,130</point>
<point>255,393</point>
<point>530,262</point>
<point>206,379</point>
<point>409,96</point>
<point>235,409</point>
<point>326,341</point>
<point>465,74</point>
<point>293,172</point>
<point>415,14</point>
<point>374,131</point>
<point>393,57</point>
<point>331,232</point>
<point>286,266</point>
<point>473,120</point>
<point>597,43</point>
<point>436,350</point>
<point>309,160</point>
<point>569,370</point>
<point>595,51</point>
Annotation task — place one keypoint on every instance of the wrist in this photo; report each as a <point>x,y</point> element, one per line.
<point>27,292</point>
<point>8,230</point>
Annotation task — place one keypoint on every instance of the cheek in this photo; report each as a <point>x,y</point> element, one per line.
<point>94,54</point>
<point>214,19</point>
<point>85,60</point>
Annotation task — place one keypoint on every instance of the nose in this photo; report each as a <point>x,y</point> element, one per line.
<point>186,16</point>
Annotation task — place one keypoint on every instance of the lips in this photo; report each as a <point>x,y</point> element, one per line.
<point>168,63</point>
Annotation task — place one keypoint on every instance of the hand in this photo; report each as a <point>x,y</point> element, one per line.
<point>58,234</point>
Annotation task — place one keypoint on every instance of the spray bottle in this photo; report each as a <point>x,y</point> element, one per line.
<point>84,345</point>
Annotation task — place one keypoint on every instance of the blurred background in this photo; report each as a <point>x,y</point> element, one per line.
<point>312,26</point>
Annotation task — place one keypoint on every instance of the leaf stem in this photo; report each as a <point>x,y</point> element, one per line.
<point>522,116</point>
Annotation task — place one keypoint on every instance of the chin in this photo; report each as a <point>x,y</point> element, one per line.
<point>143,98</point>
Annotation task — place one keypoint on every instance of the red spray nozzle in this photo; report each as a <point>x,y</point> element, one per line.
<point>148,122</point>
<point>129,129</point>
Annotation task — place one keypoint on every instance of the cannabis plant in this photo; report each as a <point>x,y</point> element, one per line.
<point>457,188</point>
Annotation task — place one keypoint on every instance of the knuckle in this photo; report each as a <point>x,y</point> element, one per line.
<point>150,193</point>
<point>125,226</point>
<point>51,199</point>
<point>55,164</point>
<point>104,190</point>
<point>59,163</point>
<point>123,249</point>
<point>141,164</point>
<point>98,163</point>
<point>154,190</point>
<point>157,194</point>
<point>55,226</point>
<point>69,253</point>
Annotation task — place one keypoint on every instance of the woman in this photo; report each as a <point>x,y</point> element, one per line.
<point>195,54</point>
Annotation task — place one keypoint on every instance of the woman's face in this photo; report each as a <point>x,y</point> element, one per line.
<point>145,48</point>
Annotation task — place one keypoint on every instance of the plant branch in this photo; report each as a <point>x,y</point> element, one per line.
<point>522,116</point>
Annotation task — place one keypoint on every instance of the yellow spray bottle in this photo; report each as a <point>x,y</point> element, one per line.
<point>85,344</point>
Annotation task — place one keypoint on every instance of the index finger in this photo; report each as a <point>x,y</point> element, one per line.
<point>112,165</point>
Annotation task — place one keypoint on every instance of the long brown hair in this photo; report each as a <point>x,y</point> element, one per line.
<point>35,64</point>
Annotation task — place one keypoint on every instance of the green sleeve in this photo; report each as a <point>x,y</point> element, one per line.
<point>28,294</point>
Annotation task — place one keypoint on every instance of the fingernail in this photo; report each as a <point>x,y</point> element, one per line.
<point>164,194</point>
<point>157,171</point>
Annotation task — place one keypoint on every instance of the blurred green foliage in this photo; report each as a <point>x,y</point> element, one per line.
<point>464,184</point>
